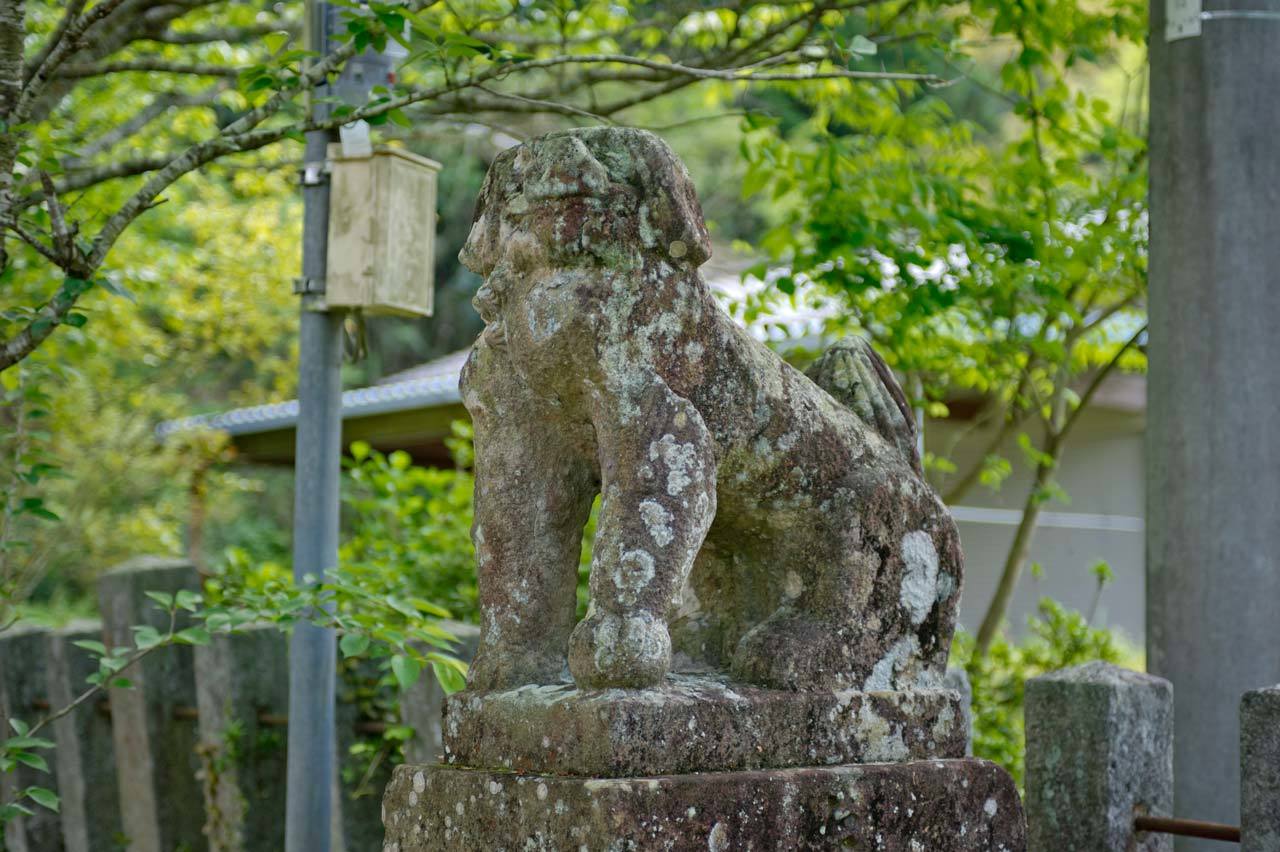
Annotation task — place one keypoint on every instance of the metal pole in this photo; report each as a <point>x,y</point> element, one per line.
<point>317,458</point>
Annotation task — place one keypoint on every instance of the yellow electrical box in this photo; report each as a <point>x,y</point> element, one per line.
<point>382,232</point>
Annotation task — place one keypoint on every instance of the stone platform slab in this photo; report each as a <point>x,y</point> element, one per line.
<point>938,805</point>
<point>695,724</point>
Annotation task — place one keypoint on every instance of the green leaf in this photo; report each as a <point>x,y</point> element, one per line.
<point>406,670</point>
<point>19,726</point>
<point>188,600</point>
<point>116,289</point>
<point>33,760</point>
<point>91,645</point>
<point>13,810</point>
<point>145,636</point>
<point>26,742</point>
<point>76,286</point>
<point>449,678</point>
<point>426,606</point>
<point>44,798</point>
<point>862,46</point>
<point>275,41</point>
<point>192,636</point>
<point>164,599</point>
<point>353,644</point>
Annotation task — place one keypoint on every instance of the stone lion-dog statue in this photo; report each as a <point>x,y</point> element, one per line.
<point>755,521</point>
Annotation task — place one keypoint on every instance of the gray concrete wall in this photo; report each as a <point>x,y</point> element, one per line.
<point>1102,472</point>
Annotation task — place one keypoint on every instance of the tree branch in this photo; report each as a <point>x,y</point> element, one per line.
<point>158,107</point>
<point>546,106</point>
<point>43,73</point>
<point>152,65</point>
<point>1098,379</point>
<point>46,320</point>
<point>32,240</point>
<point>231,35</point>
<point>55,38</point>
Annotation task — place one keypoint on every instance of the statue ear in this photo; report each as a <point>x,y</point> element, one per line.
<point>674,209</point>
<point>683,222</point>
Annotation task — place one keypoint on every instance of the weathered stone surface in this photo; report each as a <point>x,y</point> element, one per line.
<point>695,724</point>
<point>242,681</point>
<point>753,519</point>
<point>1260,770</point>
<point>940,806</point>
<point>85,755</point>
<point>774,584</point>
<point>23,665</point>
<point>1099,751</point>
<point>161,802</point>
<point>958,679</point>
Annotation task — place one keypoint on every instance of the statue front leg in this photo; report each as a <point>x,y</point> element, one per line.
<point>658,500</point>
<point>533,495</point>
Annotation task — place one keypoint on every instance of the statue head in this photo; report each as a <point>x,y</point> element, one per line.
<point>591,197</point>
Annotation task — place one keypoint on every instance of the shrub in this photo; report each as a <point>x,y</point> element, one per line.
<point>1058,637</point>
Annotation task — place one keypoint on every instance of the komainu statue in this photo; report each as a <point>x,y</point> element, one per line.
<point>757,522</point>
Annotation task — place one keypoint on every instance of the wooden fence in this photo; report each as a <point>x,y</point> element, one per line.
<point>192,757</point>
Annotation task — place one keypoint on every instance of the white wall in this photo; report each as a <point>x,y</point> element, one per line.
<point>1102,472</point>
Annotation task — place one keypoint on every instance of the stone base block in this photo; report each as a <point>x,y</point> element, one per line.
<point>696,724</point>
<point>935,805</point>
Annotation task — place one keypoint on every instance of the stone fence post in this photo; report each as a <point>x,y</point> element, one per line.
<point>42,670</point>
<point>242,692</point>
<point>161,806</point>
<point>1260,770</point>
<point>1099,751</point>
<point>85,755</point>
<point>22,690</point>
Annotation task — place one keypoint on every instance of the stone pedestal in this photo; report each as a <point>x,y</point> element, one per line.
<point>703,764</point>
<point>935,805</point>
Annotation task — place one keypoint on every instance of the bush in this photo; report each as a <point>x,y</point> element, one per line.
<point>1059,637</point>
<point>411,526</point>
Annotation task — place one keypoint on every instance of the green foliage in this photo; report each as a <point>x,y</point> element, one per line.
<point>412,524</point>
<point>1057,638</point>
<point>1011,267</point>
<point>405,564</point>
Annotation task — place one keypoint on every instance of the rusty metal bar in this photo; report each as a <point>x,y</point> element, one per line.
<point>1188,828</point>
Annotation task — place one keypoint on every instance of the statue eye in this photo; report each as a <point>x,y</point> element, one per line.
<point>517,206</point>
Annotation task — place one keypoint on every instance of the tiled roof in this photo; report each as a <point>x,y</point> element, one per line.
<point>430,384</point>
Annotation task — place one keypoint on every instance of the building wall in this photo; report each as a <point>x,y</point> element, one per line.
<point>1102,473</point>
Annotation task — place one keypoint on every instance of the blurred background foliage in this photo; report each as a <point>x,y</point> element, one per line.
<point>988,234</point>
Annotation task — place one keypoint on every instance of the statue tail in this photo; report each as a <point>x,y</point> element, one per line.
<point>858,378</point>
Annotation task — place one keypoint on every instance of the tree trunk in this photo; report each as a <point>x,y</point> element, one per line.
<point>1019,550</point>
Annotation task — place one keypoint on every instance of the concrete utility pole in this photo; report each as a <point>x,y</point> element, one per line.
<point>1213,417</point>
<point>317,461</point>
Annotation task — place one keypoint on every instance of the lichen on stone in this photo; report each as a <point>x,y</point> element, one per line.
<point>756,522</point>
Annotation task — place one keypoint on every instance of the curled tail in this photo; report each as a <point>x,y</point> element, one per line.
<point>858,378</point>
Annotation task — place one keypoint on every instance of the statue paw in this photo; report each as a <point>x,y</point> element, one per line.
<point>630,651</point>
